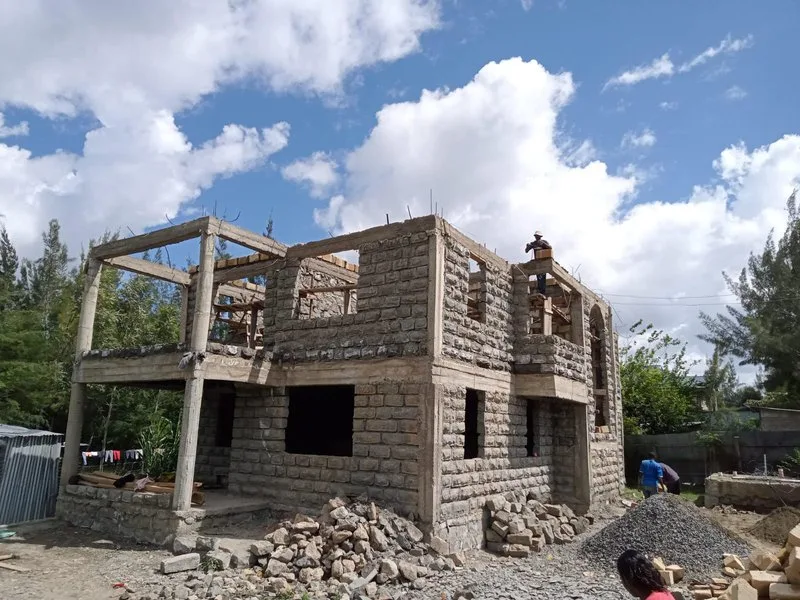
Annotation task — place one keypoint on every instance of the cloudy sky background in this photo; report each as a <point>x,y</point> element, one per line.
<point>655,145</point>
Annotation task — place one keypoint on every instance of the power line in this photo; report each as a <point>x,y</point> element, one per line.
<point>667,297</point>
<point>675,305</point>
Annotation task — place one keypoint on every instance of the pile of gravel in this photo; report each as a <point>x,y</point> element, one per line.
<point>665,526</point>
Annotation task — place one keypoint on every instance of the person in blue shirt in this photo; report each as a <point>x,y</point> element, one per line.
<point>651,475</point>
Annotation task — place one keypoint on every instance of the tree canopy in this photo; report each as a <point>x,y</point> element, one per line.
<point>658,393</point>
<point>765,329</point>
<point>39,309</point>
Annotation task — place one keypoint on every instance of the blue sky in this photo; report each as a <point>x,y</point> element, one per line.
<point>104,128</point>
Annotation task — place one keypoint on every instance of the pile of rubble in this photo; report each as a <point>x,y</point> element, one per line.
<point>524,524</point>
<point>761,575</point>
<point>348,550</point>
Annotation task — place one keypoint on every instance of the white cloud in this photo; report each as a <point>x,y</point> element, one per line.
<point>132,67</point>
<point>664,67</point>
<point>526,4</point>
<point>668,105</point>
<point>643,139</point>
<point>726,46</point>
<point>735,93</point>
<point>489,152</point>
<point>659,67</point>
<point>20,129</point>
<point>318,170</point>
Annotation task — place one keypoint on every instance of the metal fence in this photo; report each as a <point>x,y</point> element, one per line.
<point>30,462</point>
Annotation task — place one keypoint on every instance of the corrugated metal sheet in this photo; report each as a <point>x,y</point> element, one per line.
<point>29,469</point>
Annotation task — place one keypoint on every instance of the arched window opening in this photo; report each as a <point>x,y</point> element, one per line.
<point>597,334</point>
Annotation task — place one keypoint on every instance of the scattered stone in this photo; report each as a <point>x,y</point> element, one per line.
<point>764,561</point>
<point>793,538</point>
<point>260,549</point>
<point>219,560</point>
<point>784,591</point>
<point>762,580</point>
<point>206,543</point>
<point>183,562</point>
<point>184,544</point>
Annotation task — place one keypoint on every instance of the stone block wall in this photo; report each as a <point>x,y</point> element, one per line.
<point>391,318</point>
<point>751,493</point>
<point>134,515</point>
<point>326,304</point>
<point>213,462</point>
<point>384,463</point>
<point>503,464</point>
<point>549,354</point>
<point>487,342</point>
<point>607,453</point>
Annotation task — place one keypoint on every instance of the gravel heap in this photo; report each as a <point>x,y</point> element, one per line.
<point>666,526</point>
<point>776,525</point>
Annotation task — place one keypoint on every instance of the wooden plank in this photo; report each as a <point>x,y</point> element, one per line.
<point>248,239</point>
<point>150,269</point>
<point>9,567</point>
<point>154,239</point>
<point>352,241</point>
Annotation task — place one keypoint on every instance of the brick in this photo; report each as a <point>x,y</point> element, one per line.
<point>762,580</point>
<point>792,569</point>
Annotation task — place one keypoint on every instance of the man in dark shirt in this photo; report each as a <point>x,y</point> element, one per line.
<point>671,479</point>
<point>539,243</point>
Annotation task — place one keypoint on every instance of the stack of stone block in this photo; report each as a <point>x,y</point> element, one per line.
<point>517,528</point>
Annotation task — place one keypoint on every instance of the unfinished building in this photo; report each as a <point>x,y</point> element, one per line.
<point>430,376</point>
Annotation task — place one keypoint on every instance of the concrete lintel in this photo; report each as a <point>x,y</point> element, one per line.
<point>551,386</point>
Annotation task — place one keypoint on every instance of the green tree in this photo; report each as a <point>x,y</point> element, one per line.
<point>719,383</point>
<point>658,394</point>
<point>766,329</point>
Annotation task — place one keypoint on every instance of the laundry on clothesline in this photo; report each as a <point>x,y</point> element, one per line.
<point>111,456</point>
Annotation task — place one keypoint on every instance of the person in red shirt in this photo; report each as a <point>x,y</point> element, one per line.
<point>641,578</point>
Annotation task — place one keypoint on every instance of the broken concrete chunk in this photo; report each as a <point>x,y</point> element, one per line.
<point>658,563</point>
<point>761,580</point>
<point>275,567</point>
<point>408,571</point>
<point>764,561</point>
<point>389,569</point>
<point>667,577</point>
<point>793,566</point>
<point>741,590</point>
<point>784,591</point>
<point>260,549</point>
<point>525,538</point>
<point>734,562</point>
<point>496,503</point>
<point>183,544</point>
<point>184,562</point>
<point>219,560</point>
<point>283,555</point>
<point>793,539</point>
<point>206,544</point>
<point>677,572</point>
<point>279,537</point>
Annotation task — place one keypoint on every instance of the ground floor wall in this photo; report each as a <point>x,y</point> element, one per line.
<point>139,516</point>
<point>527,448</point>
<point>383,461</point>
<point>608,468</point>
<point>215,435</point>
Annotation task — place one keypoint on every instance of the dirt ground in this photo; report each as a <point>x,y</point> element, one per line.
<point>67,563</point>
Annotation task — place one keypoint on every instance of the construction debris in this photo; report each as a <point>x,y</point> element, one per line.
<point>761,575</point>
<point>11,567</point>
<point>523,525</point>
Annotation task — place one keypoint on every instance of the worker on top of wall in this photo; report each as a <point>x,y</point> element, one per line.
<point>539,243</point>
<point>672,481</point>
<point>651,475</point>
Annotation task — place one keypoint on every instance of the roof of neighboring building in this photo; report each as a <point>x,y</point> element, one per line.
<point>14,431</point>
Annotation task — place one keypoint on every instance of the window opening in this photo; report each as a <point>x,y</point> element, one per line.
<point>321,420</point>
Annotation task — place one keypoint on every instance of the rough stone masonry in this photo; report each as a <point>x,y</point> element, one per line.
<point>430,376</point>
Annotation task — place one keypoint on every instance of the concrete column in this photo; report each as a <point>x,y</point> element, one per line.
<point>193,394</point>
<point>184,313</point>
<point>430,455</point>
<point>83,343</point>
<point>583,460</point>
<point>436,259</point>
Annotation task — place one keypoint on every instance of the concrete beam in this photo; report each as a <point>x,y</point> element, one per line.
<point>154,239</point>
<point>149,269</point>
<point>246,238</point>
